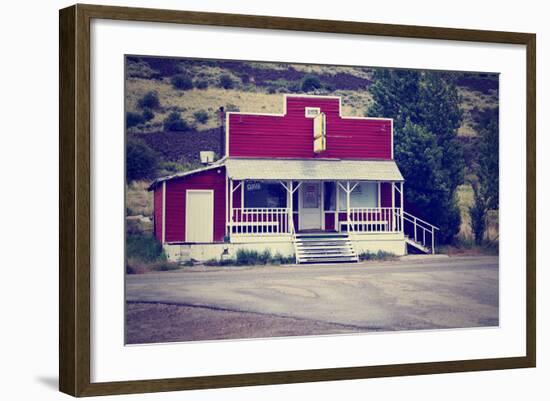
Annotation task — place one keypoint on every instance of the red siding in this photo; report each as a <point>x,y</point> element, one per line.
<point>291,135</point>
<point>157,207</point>
<point>175,202</point>
<point>329,221</point>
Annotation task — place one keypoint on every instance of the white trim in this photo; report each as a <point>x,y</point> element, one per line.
<point>322,189</point>
<point>230,206</point>
<point>337,206</point>
<point>163,234</point>
<point>227,133</point>
<point>393,205</point>
<point>391,125</point>
<point>187,192</point>
<point>242,193</point>
<point>227,204</point>
<point>379,186</point>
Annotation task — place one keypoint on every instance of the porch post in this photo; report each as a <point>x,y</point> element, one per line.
<point>230,206</point>
<point>242,196</point>
<point>226,206</point>
<point>290,194</point>
<point>337,212</point>
<point>348,204</point>
<point>402,207</point>
<point>393,206</point>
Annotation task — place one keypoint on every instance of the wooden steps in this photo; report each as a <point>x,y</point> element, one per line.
<point>324,248</point>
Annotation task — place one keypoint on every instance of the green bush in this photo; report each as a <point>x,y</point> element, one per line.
<point>310,83</point>
<point>141,161</point>
<point>380,255</point>
<point>201,84</point>
<point>133,119</point>
<point>181,81</point>
<point>144,248</point>
<point>150,101</point>
<point>148,114</point>
<point>252,258</point>
<point>174,122</point>
<point>201,116</point>
<point>226,82</point>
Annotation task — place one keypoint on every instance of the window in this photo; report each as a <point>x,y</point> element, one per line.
<point>312,111</point>
<point>365,194</point>
<point>264,194</point>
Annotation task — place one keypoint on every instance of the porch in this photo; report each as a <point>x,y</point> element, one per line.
<point>278,198</point>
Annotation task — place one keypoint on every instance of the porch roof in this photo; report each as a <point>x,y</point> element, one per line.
<point>313,169</point>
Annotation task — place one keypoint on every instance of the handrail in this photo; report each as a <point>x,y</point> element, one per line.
<point>418,222</point>
<point>407,214</point>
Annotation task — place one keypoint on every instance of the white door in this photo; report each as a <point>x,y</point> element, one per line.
<point>310,206</point>
<point>199,216</point>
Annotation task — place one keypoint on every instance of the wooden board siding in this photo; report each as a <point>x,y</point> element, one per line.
<point>329,221</point>
<point>157,215</point>
<point>175,202</point>
<point>291,135</point>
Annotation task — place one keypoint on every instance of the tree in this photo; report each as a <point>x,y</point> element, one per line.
<point>182,82</point>
<point>310,83</point>
<point>174,122</point>
<point>478,214</point>
<point>426,113</point>
<point>141,161</point>
<point>486,194</point>
<point>226,82</point>
<point>149,101</point>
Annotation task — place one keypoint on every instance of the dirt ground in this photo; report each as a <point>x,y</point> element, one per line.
<point>159,323</point>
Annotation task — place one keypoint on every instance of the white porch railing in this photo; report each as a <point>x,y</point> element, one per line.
<point>374,219</point>
<point>420,231</point>
<point>263,221</point>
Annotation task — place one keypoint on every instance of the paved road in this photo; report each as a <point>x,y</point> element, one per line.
<point>399,295</point>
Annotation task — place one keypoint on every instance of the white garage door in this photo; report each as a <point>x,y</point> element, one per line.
<point>199,216</point>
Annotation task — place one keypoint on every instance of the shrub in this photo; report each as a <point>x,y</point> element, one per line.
<point>133,119</point>
<point>202,84</point>
<point>148,114</point>
<point>141,161</point>
<point>150,101</point>
<point>181,81</point>
<point>201,116</point>
<point>245,78</point>
<point>310,83</point>
<point>380,255</point>
<point>226,82</point>
<point>251,258</point>
<point>144,248</point>
<point>174,122</point>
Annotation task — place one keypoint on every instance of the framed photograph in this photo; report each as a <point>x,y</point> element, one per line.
<point>250,200</point>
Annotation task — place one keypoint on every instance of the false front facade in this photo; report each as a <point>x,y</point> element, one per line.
<point>308,182</point>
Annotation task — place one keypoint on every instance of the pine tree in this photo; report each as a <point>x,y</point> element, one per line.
<point>426,113</point>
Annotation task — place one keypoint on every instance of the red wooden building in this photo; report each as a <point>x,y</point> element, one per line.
<point>309,182</point>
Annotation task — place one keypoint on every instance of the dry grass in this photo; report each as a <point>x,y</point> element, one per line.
<point>465,194</point>
<point>139,201</point>
<point>354,103</point>
<point>472,99</point>
<point>361,72</point>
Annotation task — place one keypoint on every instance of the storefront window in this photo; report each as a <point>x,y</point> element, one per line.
<point>264,194</point>
<point>364,195</point>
